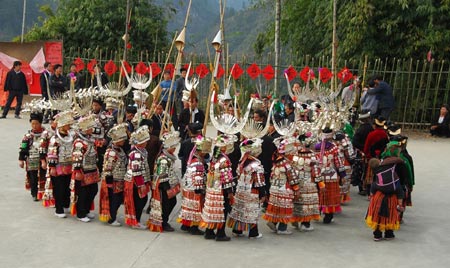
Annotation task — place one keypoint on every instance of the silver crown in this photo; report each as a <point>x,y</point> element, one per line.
<point>64,118</point>
<point>87,122</point>
<point>118,133</point>
<point>170,139</point>
<point>287,145</point>
<point>203,144</point>
<point>140,135</point>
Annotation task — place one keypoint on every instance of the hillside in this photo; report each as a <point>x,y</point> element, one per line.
<point>11,16</point>
<point>241,25</point>
<point>242,22</point>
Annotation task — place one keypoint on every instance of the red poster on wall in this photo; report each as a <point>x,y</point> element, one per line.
<point>53,52</point>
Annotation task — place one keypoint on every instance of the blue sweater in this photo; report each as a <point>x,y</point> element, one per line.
<point>165,85</point>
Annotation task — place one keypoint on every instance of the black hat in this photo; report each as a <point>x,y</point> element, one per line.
<point>131,109</point>
<point>146,122</point>
<point>394,130</point>
<point>37,116</point>
<point>194,128</point>
<point>98,100</point>
<point>339,135</point>
<point>380,121</point>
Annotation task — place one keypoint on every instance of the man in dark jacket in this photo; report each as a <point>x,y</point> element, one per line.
<point>58,82</point>
<point>16,84</point>
<point>180,86</point>
<point>190,115</point>
<point>44,83</point>
<point>385,97</point>
<point>44,80</point>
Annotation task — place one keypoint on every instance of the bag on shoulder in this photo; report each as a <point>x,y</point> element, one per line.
<point>387,180</point>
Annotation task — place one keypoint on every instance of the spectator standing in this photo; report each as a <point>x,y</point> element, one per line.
<point>44,80</point>
<point>166,87</point>
<point>369,102</point>
<point>58,82</point>
<point>74,75</point>
<point>385,97</point>
<point>16,84</point>
<point>180,86</point>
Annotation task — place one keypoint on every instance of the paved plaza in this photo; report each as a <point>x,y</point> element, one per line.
<point>31,236</point>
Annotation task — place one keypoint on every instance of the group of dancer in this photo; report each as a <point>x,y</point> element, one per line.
<point>293,166</point>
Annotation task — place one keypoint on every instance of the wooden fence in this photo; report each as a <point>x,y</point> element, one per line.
<point>420,87</point>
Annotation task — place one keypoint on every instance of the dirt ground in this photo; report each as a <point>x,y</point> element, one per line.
<point>31,236</point>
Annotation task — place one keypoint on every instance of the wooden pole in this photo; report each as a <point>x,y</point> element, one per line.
<point>277,43</point>
<point>334,49</point>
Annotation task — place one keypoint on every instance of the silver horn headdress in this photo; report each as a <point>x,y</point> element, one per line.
<point>227,123</point>
<point>138,81</point>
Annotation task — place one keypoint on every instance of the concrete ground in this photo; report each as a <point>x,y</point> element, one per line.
<point>31,236</point>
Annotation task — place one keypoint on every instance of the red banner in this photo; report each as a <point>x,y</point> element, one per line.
<point>53,52</point>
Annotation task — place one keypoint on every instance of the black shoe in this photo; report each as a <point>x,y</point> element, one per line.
<point>328,218</point>
<point>389,235</point>
<point>209,234</point>
<point>184,228</point>
<point>3,117</point>
<point>222,238</point>
<point>17,117</point>
<point>168,228</point>
<point>195,231</point>
<point>35,199</point>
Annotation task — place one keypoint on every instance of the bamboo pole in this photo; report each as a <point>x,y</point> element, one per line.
<point>419,89</point>
<point>427,89</point>
<point>447,87</point>
<point>334,49</point>
<point>408,89</point>
<point>438,80</point>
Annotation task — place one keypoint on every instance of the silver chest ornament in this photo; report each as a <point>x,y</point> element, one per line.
<point>65,152</point>
<point>90,157</point>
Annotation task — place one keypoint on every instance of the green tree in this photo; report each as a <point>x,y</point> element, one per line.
<point>399,28</point>
<point>99,23</point>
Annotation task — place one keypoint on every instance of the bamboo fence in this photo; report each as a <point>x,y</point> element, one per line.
<point>420,87</point>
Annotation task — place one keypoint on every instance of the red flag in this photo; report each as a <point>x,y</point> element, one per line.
<point>307,74</point>
<point>141,68</point>
<point>79,64</point>
<point>110,68</point>
<point>345,75</point>
<point>155,69</point>
<point>91,65</point>
<point>170,68</point>
<point>268,72</point>
<point>191,71</point>
<point>236,71</point>
<point>201,70</point>
<point>127,68</point>
<point>220,71</point>
<point>291,73</point>
<point>253,71</point>
<point>325,74</point>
